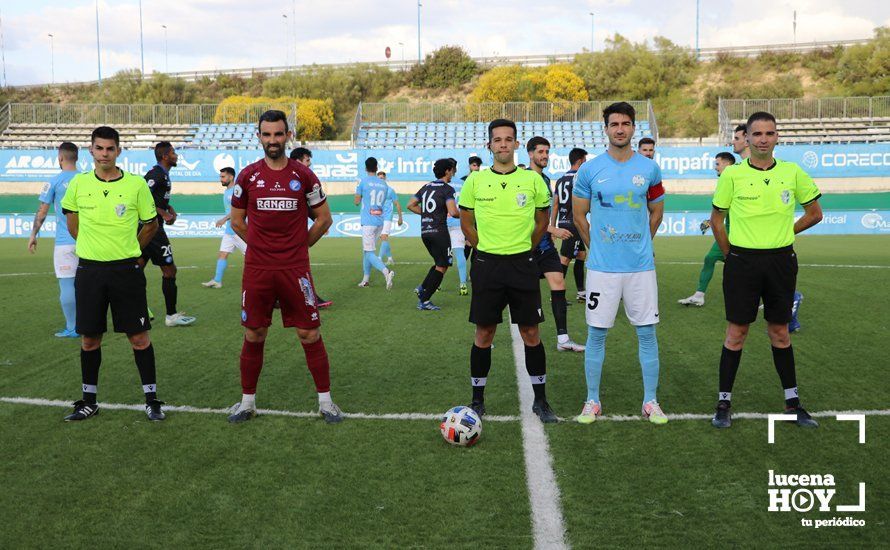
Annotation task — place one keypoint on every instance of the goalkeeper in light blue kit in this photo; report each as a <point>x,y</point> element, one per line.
<point>623,192</point>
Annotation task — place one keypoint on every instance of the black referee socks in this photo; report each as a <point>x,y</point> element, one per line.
<point>89,373</point>
<point>145,362</point>
<point>480,364</point>
<point>729,366</point>
<point>783,358</point>
<point>536,366</point>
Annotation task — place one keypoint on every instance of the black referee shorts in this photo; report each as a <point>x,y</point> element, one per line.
<point>159,249</point>
<point>548,261</point>
<point>121,285</point>
<point>501,281</point>
<point>750,276</point>
<point>572,246</point>
<point>439,247</point>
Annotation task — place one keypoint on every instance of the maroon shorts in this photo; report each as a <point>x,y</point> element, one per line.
<point>291,288</point>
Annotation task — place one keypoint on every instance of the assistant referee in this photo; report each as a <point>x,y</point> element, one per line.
<point>503,216</point>
<point>759,194</point>
<point>103,209</point>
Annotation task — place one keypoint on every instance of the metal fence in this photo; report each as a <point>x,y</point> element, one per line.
<point>533,111</point>
<point>53,113</point>
<point>869,110</point>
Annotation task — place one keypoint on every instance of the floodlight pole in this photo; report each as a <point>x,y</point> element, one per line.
<point>697,24</point>
<point>141,41</point>
<point>166,61</point>
<point>591,32</point>
<point>98,45</point>
<point>52,58</point>
<point>419,58</point>
<point>402,44</point>
<point>794,25</point>
<point>286,33</point>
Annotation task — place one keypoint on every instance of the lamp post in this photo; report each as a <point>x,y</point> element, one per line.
<point>286,33</point>
<point>402,44</point>
<point>591,33</point>
<point>52,59</point>
<point>98,46</point>
<point>141,42</point>
<point>697,25</point>
<point>166,59</point>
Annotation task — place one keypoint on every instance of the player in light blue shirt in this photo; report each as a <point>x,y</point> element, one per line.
<point>623,193</point>
<point>391,202</point>
<point>230,240</point>
<point>458,243</point>
<point>371,194</point>
<point>64,258</point>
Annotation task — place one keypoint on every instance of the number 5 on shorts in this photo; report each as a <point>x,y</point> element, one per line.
<point>593,300</point>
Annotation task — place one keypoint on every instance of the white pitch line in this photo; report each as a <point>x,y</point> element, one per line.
<point>53,272</point>
<point>40,402</point>
<point>270,412</point>
<point>839,266</point>
<point>543,492</point>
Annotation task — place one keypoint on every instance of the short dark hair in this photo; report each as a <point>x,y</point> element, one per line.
<point>534,142</point>
<point>300,152</point>
<point>453,163</point>
<point>228,170</point>
<point>106,132</point>
<point>371,165</point>
<point>501,123</point>
<point>760,115</point>
<point>441,166</point>
<point>576,154</point>
<point>646,140</point>
<point>68,150</point>
<point>741,128</point>
<point>475,160</point>
<point>620,108</point>
<point>273,115</point>
<point>162,149</point>
<point>381,173</point>
<point>728,157</point>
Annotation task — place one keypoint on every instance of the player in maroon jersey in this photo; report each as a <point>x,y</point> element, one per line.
<point>275,193</point>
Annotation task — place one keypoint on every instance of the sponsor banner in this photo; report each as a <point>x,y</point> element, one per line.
<point>675,224</point>
<point>820,161</point>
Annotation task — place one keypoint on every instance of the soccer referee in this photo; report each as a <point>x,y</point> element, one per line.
<point>503,216</point>
<point>103,209</point>
<point>759,195</point>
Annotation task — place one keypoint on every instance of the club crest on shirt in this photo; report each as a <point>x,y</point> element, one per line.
<point>120,209</point>
<point>521,199</point>
<point>638,180</point>
<point>151,183</point>
<point>294,185</point>
<point>786,196</point>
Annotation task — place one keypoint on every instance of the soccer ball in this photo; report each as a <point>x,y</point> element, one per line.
<point>461,426</point>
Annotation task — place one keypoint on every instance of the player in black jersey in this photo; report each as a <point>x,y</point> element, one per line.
<point>561,216</point>
<point>434,202</point>
<point>159,250</point>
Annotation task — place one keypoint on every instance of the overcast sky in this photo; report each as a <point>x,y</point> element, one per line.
<point>217,34</point>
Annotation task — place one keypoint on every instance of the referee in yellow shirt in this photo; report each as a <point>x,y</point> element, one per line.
<point>503,216</point>
<point>759,194</point>
<point>103,209</point>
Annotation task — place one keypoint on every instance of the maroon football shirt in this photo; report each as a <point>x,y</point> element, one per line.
<point>277,204</point>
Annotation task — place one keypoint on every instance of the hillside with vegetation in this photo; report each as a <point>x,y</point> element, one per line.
<point>684,91</point>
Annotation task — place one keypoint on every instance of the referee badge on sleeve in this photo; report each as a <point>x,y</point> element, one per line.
<point>120,210</point>
<point>786,196</point>
<point>521,199</point>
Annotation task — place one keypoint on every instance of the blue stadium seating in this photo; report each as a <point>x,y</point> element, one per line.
<point>216,135</point>
<point>379,135</point>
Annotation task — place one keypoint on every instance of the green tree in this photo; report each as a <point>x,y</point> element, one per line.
<point>447,67</point>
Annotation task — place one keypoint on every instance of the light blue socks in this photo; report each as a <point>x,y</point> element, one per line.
<point>373,261</point>
<point>648,349</point>
<point>593,360</point>
<point>221,266</point>
<point>69,304</point>
<point>461,266</point>
<point>385,250</point>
